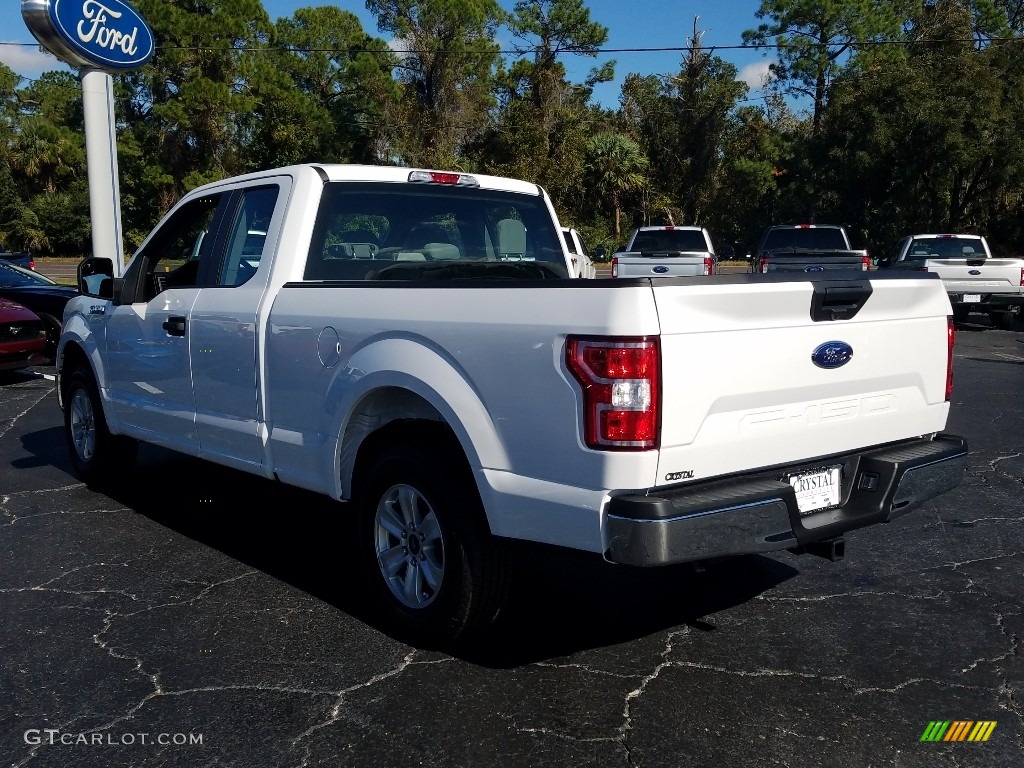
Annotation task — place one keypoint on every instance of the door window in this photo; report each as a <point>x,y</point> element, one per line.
<point>248,235</point>
<point>180,254</point>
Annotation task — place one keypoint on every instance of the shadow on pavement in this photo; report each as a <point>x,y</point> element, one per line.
<point>561,601</point>
<point>47,447</point>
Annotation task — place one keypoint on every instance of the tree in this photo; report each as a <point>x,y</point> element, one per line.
<point>615,165</point>
<point>544,120</point>
<point>681,122</point>
<point>446,72</point>
<point>187,106</point>
<point>323,94</point>
<point>816,37</point>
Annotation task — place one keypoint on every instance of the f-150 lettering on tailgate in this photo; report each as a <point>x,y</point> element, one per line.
<point>816,413</point>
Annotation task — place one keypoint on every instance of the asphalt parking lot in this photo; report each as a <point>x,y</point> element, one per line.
<point>197,604</point>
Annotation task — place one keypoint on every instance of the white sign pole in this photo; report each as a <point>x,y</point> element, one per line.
<point>101,157</point>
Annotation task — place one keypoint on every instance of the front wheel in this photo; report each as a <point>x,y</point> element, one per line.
<point>427,550</point>
<point>95,453</point>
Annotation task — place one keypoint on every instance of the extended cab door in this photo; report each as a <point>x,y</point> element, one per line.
<point>148,361</point>
<point>224,326</point>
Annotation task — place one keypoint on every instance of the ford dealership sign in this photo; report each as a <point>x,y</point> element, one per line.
<point>105,34</point>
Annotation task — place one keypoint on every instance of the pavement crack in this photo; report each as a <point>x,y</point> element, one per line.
<point>585,668</point>
<point>205,591</point>
<point>13,421</point>
<point>335,713</point>
<point>1014,649</point>
<point>833,596</point>
<point>98,640</point>
<point>622,733</point>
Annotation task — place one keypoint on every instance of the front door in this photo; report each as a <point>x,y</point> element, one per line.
<point>149,376</point>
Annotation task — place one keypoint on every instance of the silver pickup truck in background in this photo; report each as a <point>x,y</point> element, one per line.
<point>666,251</point>
<point>975,280</point>
<point>808,248</point>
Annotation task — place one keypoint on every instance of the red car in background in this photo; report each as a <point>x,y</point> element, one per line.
<point>22,337</point>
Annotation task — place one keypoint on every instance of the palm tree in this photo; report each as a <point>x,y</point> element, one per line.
<point>616,166</point>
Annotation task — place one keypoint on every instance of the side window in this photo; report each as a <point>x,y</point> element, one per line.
<point>248,235</point>
<point>567,236</point>
<point>179,254</point>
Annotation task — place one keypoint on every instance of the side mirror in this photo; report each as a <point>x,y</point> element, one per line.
<point>96,277</point>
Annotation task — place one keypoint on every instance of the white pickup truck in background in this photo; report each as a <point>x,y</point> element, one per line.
<point>975,280</point>
<point>666,251</point>
<point>580,263</point>
<point>410,341</point>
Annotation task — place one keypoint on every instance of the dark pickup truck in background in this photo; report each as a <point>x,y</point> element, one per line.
<point>21,259</point>
<point>807,248</point>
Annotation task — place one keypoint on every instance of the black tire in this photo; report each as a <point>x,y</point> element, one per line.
<point>96,460</point>
<point>474,571</point>
<point>960,313</point>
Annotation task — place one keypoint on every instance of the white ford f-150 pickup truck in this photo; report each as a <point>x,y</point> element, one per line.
<point>410,341</point>
<point>666,251</point>
<point>975,279</point>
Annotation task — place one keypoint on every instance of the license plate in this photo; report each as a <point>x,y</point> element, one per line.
<point>816,490</point>
<point>972,298</point>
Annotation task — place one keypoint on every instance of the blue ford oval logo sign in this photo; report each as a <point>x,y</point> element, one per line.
<point>815,268</point>
<point>107,34</point>
<point>659,270</point>
<point>974,272</point>
<point>832,354</point>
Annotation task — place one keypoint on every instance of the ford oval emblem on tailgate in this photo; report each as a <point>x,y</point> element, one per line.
<point>815,268</point>
<point>974,272</point>
<point>659,270</point>
<point>832,354</point>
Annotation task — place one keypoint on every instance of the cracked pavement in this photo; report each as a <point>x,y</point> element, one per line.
<point>197,600</point>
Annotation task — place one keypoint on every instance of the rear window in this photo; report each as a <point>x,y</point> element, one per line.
<point>425,232</point>
<point>946,248</point>
<point>669,240</point>
<point>811,238</point>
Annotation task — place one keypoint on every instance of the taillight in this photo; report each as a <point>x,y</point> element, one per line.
<point>621,381</point>
<point>763,264</point>
<point>709,265</point>
<point>615,267</point>
<point>950,333</point>
<point>1022,276</point>
<point>865,263</point>
<point>32,266</point>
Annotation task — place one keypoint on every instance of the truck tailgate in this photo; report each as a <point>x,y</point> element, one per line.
<point>812,262</point>
<point>741,390</point>
<point>976,276</point>
<point>661,264</point>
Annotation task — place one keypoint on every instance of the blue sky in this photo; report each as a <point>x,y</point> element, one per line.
<point>631,24</point>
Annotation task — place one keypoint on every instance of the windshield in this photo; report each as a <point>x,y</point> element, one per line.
<point>669,240</point>
<point>13,276</point>
<point>808,238</point>
<point>947,247</point>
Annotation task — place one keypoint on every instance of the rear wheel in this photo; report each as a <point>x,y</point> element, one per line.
<point>95,453</point>
<point>424,539</point>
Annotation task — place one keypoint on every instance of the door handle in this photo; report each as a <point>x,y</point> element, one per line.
<point>175,325</point>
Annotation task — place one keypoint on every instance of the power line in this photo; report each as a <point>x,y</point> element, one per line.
<point>582,51</point>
